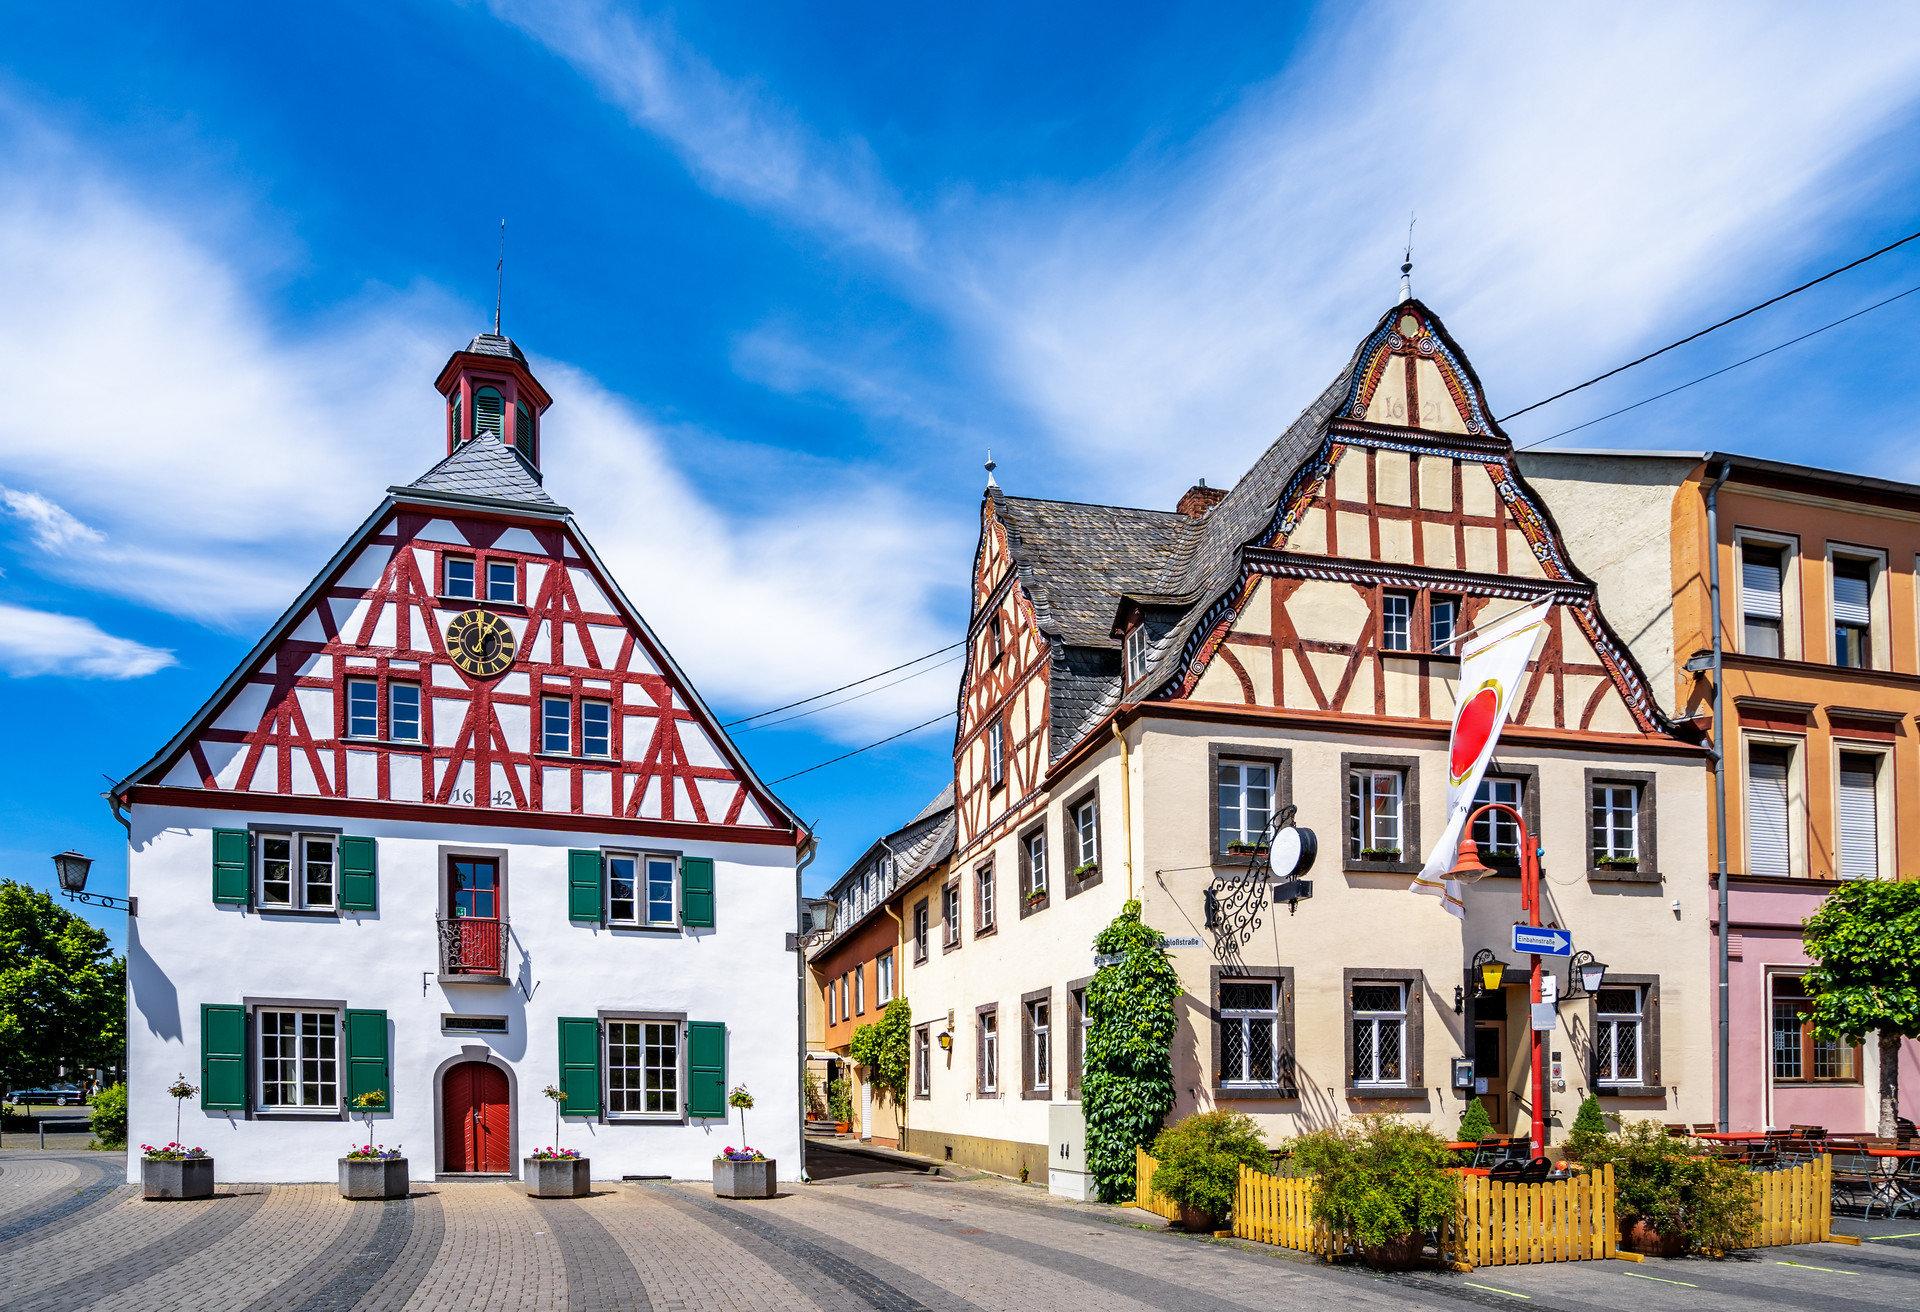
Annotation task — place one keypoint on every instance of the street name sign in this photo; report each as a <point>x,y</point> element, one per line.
<point>1542,942</point>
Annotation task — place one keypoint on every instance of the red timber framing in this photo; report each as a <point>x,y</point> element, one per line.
<point>669,770</point>
<point>1005,683</point>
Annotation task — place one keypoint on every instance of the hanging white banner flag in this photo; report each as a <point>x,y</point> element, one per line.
<point>1492,672</point>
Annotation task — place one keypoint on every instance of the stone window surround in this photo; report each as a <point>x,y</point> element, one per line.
<point>1648,871</point>
<point>1413,1048</point>
<point>982,876</point>
<point>1070,834</point>
<point>1288,1086</point>
<point>1409,768</point>
<point>1074,1073</point>
<point>1280,758</point>
<point>254,1005</point>
<point>923,1060</point>
<point>1039,826</point>
<point>952,933</point>
<point>1650,1086</point>
<point>1027,1089</point>
<point>980,1013</point>
<point>921,943</point>
<point>1529,777</point>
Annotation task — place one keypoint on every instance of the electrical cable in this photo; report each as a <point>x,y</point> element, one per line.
<point>1527,446</point>
<point>843,687</point>
<point>856,697</point>
<point>1713,328</point>
<point>856,751</point>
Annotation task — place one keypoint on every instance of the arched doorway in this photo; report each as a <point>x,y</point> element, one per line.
<point>476,1129</point>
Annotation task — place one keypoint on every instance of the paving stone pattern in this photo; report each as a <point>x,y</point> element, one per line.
<point>73,1236</point>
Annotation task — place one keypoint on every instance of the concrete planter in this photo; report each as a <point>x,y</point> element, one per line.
<point>558,1177</point>
<point>744,1179</point>
<point>374,1178</point>
<point>188,1177</point>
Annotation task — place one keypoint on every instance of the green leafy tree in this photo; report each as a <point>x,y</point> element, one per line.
<point>110,1117</point>
<point>1586,1142</point>
<point>1475,1124</point>
<point>63,992</point>
<point>1126,1089</point>
<point>885,1049</point>
<point>1864,942</point>
<point>1200,1160</point>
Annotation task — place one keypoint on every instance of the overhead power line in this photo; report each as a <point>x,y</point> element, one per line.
<point>1724,369</point>
<point>869,747</point>
<point>1713,328</point>
<point>892,683</point>
<point>843,687</point>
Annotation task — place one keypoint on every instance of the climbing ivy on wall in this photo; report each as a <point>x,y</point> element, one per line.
<point>1126,1089</point>
<point>885,1049</point>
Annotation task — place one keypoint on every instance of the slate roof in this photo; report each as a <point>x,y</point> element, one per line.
<point>485,467</point>
<point>495,344</point>
<point>1076,560</point>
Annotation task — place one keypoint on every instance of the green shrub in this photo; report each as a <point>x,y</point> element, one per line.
<point>1378,1178</point>
<point>1670,1184</point>
<point>1200,1160</point>
<point>1587,1142</point>
<point>1475,1124</point>
<point>885,1049</point>
<point>816,1096</point>
<point>110,1116</point>
<point>840,1100</point>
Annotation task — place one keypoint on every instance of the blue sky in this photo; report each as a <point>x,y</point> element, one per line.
<point>790,270</point>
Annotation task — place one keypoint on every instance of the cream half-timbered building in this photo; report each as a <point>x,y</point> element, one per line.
<point>457,830</point>
<point>1145,688</point>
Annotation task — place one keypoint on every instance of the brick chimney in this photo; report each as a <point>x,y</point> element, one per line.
<point>1199,499</point>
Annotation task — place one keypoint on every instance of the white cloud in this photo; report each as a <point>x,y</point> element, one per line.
<point>41,642</point>
<point>53,529</point>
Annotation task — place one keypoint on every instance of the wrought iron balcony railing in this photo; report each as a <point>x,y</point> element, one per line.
<point>473,947</point>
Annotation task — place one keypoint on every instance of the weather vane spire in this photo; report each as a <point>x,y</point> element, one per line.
<point>1406,265</point>
<point>499,277</point>
<point>990,468</point>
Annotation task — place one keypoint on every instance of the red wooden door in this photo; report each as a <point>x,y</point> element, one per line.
<point>473,1100</point>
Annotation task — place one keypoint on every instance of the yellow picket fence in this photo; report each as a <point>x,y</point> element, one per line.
<point>1796,1205</point>
<point>1143,1195</point>
<point>1503,1224</point>
<point>1276,1210</point>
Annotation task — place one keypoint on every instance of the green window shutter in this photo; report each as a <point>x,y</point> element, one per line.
<point>583,886</point>
<point>230,864</point>
<point>696,891</point>
<point>359,875</point>
<point>367,1055</point>
<point>223,1057</point>
<point>580,1065</point>
<point>706,1068</point>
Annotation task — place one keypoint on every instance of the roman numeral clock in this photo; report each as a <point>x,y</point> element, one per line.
<point>480,643</point>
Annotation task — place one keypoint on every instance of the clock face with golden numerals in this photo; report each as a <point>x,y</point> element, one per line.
<point>480,643</point>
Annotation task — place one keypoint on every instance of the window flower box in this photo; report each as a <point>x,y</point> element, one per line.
<point>1379,854</point>
<point>374,1172</point>
<point>558,1173</point>
<point>175,1172</point>
<point>1085,870</point>
<point>1618,863</point>
<point>735,1177</point>
<point>1245,849</point>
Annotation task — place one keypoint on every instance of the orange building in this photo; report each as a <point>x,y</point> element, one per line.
<point>1820,692</point>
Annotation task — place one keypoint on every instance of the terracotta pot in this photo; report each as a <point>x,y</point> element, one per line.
<point>1639,1236</point>
<point>1401,1254</point>
<point>843,1127</point>
<point>1197,1221</point>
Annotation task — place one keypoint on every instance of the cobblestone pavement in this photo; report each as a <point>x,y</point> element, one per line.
<point>871,1237</point>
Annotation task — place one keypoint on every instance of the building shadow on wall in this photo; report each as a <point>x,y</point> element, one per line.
<point>155,994</point>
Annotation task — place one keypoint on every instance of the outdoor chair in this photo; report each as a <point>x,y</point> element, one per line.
<point>1903,1186</point>
<point>1808,1131</point>
<point>1857,1181</point>
<point>1677,1131</point>
<point>1904,1130</point>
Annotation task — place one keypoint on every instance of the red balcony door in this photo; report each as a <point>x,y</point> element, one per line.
<point>473,903</point>
<point>473,1099</point>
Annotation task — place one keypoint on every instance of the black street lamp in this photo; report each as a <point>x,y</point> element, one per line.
<point>72,868</point>
<point>1585,975</point>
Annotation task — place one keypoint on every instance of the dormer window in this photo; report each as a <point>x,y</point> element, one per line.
<point>1136,652</point>
<point>489,413</point>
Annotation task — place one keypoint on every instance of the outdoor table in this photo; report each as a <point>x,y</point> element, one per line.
<point>1890,1188</point>
<point>1463,1146</point>
<point>1731,1136</point>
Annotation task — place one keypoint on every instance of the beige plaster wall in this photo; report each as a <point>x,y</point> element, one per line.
<point>1615,515</point>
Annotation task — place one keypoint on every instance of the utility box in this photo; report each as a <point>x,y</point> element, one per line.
<point>1067,1153</point>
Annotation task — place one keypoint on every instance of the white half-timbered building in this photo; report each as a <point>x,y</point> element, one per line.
<point>459,829</point>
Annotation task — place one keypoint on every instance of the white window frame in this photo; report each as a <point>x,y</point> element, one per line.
<point>1752,608</point>
<point>446,578</point>
<point>1033,848</point>
<point>996,754</point>
<point>923,1061</point>
<point>371,687</point>
<point>1245,1019</point>
<point>1084,821</point>
<point>950,911</point>
<point>1883,803</point>
<point>512,597</point>
<point>546,740</point>
<point>1436,644</point>
<point>1396,621</point>
<point>1241,786</point>
<point>586,737</point>
<point>1136,653</point>
<point>1606,798</point>
<point>394,688</point>
<point>922,931</point>
<point>678,1067</point>
<point>1366,828</point>
<point>1796,750</point>
<point>1498,824</point>
<point>648,873</point>
<point>989,1022</point>
<point>1878,654</point>
<point>1606,1040</point>
<point>883,978</point>
<point>300,1059</point>
<point>860,989</point>
<point>300,885</point>
<point>1791,625</point>
<point>983,899</point>
<point>1040,1037</point>
<point>1378,1020</point>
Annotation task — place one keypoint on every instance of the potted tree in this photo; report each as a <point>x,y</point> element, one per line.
<point>175,1170</point>
<point>556,1172</point>
<point>1670,1195</point>
<point>743,1172</point>
<point>840,1104</point>
<point>1200,1161</point>
<point>370,1170</point>
<point>1382,1182</point>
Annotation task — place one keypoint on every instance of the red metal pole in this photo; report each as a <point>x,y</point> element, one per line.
<point>1530,894</point>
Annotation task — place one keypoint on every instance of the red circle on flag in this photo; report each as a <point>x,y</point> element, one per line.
<point>1471,730</point>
